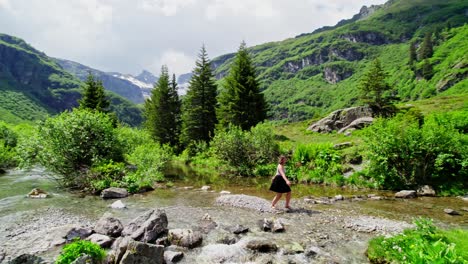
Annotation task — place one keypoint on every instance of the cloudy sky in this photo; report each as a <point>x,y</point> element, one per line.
<point>130,35</point>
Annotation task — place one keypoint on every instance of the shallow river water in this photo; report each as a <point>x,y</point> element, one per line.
<point>340,229</point>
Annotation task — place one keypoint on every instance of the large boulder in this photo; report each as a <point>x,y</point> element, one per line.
<point>119,247</point>
<point>78,232</point>
<point>109,226</point>
<point>102,240</point>
<point>113,192</point>
<point>143,253</point>
<point>359,123</point>
<point>406,194</point>
<point>340,119</point>
<point>147,227</point>
<point>27,259</point>
<point>262,246</point>
<point>426,190</point>
<point>185,238</point>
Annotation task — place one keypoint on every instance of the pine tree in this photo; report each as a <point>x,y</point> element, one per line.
<point>199,105</point>
<point>427,70</point>
<point>375,91</point>
<point>241,102</point>
<point>93,96</point>
<point>426,48</point>
<point>412,53</point>
<point>162,111</point>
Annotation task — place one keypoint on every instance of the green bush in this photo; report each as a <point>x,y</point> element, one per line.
<point>106,174</point>
<point>405,154</point>
<point>130,138</point>
<point>74,250</point>
<point>8,142</point>
<point>424,244</point>
<point>71,143</point>
<point>150,160</point>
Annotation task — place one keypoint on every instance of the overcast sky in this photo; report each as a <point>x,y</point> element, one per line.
<point>130,35</point>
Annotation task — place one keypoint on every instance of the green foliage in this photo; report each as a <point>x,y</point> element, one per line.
<point>162,111</point>
<point>106,174</point>
<point>131,138</point>
<point>240,102</point>
<point>424,244</point>
<point>93,95</point>
<point>318,163</point>
<point>151,160</point>
<point>244,150</point>
<point>73,142</point>
<point>403,153</point>
<point>74,250</point>
<point>198,108</point>
<point>8,142</point>
<point>426,50</point>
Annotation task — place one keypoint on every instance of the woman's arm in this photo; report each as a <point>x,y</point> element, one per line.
<point>281,171</point>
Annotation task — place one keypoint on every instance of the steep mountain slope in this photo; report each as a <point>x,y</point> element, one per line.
<point>318,72</point>
<point>32,86</point>
<point>126,86</point>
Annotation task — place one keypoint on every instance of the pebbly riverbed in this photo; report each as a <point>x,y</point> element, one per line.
<point>317,229</point>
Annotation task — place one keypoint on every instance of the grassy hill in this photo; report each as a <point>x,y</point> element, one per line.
<point>33,86</point>
<point>315,73</point>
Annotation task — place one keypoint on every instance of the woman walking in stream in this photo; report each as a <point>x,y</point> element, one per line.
<point>280,184</point>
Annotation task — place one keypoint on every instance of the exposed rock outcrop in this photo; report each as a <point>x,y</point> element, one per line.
<point>341,118</point>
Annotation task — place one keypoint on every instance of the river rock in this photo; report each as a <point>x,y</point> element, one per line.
<point>262,246</point>
<point>277,226</point>
<point>113,192</point>
<point>339,197</point>
<point>118,205</point>
<point>185,238</point>
<point>221,253</point>
<point>143,253</point>
<point>173,256</point>
<point>239,229</point>
<point>84,259</point>
<point>109,226</point>
<point>205,188</point>
<point>451,211</point>
<point>245,201</point>
<point>38,193</point>
<point>426,190</point>
<point>102,240</point>
<point>465,209</point>
<point>266,224</point>
<point>227,240</point>
<point>78,232</point>
<point>119,247</point>
<point>147,227</point>
<point>224,192</point>
<point>207,224</point>
<point>27,259</point>
<point>294,248</point>
<point>406,194</point>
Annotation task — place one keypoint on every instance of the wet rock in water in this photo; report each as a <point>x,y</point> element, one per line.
<point>294,248</point>
<point>113,192</point>
<point>80,232</point>
<point>185,237</point>
<point>118,205</point>
<point>426,190</point>
<point>262,246</point>
<point>38,193</point>
<point>207,224</point>
<point>239,229</point>
<point>109,226</point>
<point>277,226</point>
<point>27,259</point>
<point>451,211</point>
<point>143,253</point>
<point>220,253</point>
<point>102,240</point>
<point>173,256</point>
<point>227,240</point>
<point>375,198</point>
<point>245,201</point>
<point>339,197</point>
<point>224,192</point>
<point>205,188</point>
<point>406,194</point>
<point>147,227</point>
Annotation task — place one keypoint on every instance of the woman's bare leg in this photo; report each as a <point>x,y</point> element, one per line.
<point>276,199</point>
<point>288,198</point>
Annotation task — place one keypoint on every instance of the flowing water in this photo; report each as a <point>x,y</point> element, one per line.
<point>32,225</point>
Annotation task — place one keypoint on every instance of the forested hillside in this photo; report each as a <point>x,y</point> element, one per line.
<point>32,86</point>
<point>312,74</point>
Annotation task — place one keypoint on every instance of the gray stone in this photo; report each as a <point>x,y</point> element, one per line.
<point>143,253</point>
<point>224,192</point>
<point>262,246</point>
<point>339,197</point>
<point>359,123</point>
<point>451,211</point>
<point>426,190</point>
<point>185,238</point>
<point>245,201</point>
<point>406,194</point>
<point>102,240</point>
<point>118,205</point>
<point>113,192</point>
<point>205,188</point>
<point>147,227</point>
<point>80,232</point>
<point>173,256</point>
<point>239,229</point>
<point>84,259</point>
<point>119,247</point>
<point>343,145</point>
<point>277,226</point>
<point>227,240</point>
<point>465,209</point>
<point>27,259</point>
<point>109,226</point>
<point>340,119</point>
<point>38,194</point>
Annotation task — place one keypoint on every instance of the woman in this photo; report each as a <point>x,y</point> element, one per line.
<point>280,184</point>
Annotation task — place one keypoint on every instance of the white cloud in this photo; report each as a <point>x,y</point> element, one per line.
<point>177,62</point>
<point>165,7</point>
<point>240,8</point>
<point>5,4</point>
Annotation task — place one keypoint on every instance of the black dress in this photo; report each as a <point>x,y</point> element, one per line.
<point>279,184</point>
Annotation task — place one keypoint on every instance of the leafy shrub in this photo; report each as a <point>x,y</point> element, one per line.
<point>8,142</point>
<point>151,160</point>
<point>404,154</point>
<point>106,174</point>
<point>130,138</point>
<point>424,244</point>
<point>74,250</point>
<point>73,142</point>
